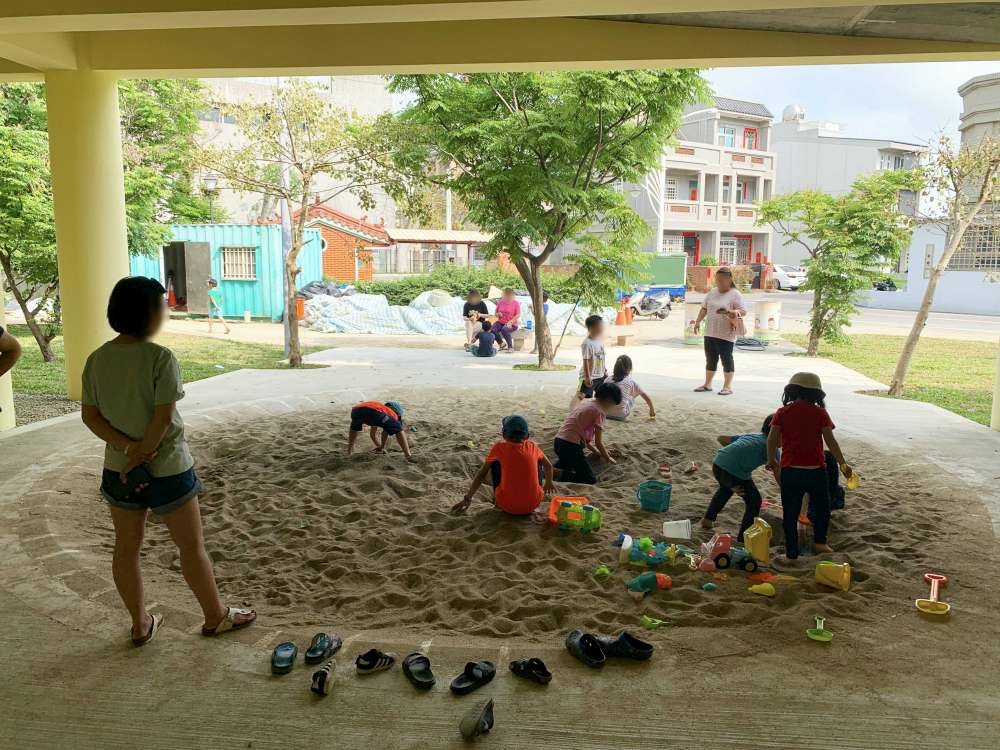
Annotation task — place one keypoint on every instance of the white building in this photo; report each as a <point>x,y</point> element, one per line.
<point>972,282</point>
<point>815,155</point>
<point>704,198</point>
<point>363,95</point>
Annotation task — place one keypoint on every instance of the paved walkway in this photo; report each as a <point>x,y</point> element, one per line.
<point>72,683</point>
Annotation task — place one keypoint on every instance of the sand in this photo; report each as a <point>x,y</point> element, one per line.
<point>310,535</point>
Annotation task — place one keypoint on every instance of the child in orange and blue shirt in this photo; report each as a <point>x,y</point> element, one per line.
<point>387,417</point>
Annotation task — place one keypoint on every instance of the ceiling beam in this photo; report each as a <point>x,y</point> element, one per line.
<point>40,51</point>
<point>550,44</point>
<point>11,71</point>
<point>36,16</point>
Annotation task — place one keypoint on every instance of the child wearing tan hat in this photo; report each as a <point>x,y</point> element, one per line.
<point>800,428</point>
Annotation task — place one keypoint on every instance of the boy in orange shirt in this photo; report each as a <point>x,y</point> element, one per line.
<point>387,417</point>
<point>518,468</point>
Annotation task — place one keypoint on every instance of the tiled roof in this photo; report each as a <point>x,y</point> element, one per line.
<point>742,107</point>
<point>356,226</point>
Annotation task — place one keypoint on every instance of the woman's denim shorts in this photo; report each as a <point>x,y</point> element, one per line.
<point>163,494</point>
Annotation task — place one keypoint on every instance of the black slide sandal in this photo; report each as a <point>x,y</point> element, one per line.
<point>323,646</point>
<point>532,669</point>
<point>417,668</point>
<point>283,657</point>
<point>476,674</point>
<point>478,721</point>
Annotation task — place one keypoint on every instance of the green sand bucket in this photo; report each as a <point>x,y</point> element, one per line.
<point>654,495</point>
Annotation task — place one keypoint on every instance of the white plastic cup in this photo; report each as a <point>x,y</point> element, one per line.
<point>677,529</point>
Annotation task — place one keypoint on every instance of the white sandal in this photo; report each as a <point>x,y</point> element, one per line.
<point>157,620</point>
<point>228,622</point>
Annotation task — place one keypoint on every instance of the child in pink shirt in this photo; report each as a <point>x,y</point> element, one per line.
<point>586,420</point>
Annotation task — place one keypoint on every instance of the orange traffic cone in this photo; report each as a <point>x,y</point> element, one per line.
<point>620,318</point>
<point>171,297</point>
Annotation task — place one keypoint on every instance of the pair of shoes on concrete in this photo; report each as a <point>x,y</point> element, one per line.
<point>594,651</point>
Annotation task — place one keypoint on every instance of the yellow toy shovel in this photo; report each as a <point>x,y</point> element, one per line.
<point>932,606</point>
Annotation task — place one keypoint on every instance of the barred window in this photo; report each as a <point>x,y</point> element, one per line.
<point>239,263</point>
<point>980,249</point>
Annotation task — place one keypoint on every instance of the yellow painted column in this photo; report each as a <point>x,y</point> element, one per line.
<point>995,419</point>
<point>6,388</point>
<point>88,190</point>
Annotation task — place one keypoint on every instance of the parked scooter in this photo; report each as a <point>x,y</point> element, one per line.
<point>650,304</point>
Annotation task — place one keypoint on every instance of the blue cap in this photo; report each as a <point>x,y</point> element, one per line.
<point>396,407</point>
<point>515,426</point>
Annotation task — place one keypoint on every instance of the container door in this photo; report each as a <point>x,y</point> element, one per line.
<point>198,267</point>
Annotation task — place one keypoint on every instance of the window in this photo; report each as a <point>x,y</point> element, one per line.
<point>897,162</point>
<point>671,187</point>
<point>693,190</point>
<point>478,258</point>
<point>673,244</point>
<point>750,138</point>
<point>239,263</point>
<point>727,137</point>
<point>741,190</point>
<point>980,249</point>
<point>727,251</point>
<point>726,182</point>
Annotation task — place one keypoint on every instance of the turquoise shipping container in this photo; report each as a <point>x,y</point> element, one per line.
<point>261,297</point>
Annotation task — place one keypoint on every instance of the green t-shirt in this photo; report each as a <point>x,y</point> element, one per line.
<point>744,454</point>
<point>215,295</point>
<point>126,382</point>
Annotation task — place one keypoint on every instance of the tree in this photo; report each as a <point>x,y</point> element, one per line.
<point>850,240</point>
<point>535,157</point>
<point>299,130</point>
<point>965,185</point>
<point>159,122</point>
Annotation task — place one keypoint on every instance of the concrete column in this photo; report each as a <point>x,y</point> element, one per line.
<point>6,388</point>
<point>88,189</point>
<point>995,419</point>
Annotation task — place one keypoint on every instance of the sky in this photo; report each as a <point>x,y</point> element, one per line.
<point>911,102</point>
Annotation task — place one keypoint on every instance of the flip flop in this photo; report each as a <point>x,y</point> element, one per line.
<point>283,657</point>
<point>373,660</point>
<point>417,669</point>
<point>532,669</point>
<point>323,646</point>
<point>726,392</point>
<point>322,680</point>
<point>228,622</point>
<point>702,389</point>
<point>154,626</point>
<point>475,675</point>
<point>586,648</point>
<point>477,722</point>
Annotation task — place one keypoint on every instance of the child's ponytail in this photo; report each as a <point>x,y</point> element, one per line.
<point>623,366</point>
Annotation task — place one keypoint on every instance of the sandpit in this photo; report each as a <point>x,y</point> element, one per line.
<point>309,535</point>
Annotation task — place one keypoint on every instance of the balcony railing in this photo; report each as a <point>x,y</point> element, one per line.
<point>722,156</point>
<point>704,211</point>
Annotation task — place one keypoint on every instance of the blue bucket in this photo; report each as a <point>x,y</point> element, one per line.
<point>654,495</point>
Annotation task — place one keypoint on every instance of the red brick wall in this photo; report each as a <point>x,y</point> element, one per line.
<point>339,255</point>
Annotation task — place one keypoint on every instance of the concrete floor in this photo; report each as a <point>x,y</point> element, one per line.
<point>71,682</point>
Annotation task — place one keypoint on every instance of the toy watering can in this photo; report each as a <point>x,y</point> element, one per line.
<point>834,575</point>
<point>932,606</point>
<point>757,540</point>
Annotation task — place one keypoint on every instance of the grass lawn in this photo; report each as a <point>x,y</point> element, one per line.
<point>955,375</point>
<point>200,358</point>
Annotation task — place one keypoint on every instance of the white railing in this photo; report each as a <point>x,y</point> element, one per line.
<point>691,153</point>
<point>713,212</point>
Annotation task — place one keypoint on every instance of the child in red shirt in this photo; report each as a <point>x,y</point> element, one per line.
<point>800,428</point>
<point>387,417</point>
<point>517,466</point>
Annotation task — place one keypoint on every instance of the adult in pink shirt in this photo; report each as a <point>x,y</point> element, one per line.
<point>508,317</point>
<point>722,311</point>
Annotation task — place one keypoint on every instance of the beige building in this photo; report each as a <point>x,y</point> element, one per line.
<point>703,200</point>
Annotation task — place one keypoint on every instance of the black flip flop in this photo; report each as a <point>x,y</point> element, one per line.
<point>323,646</point>
<point>283,658</point>
<point>478,721</point>
<point>532,669</point>
<point>586,648</point>
<point>476,674</point>
<point>417,669</point>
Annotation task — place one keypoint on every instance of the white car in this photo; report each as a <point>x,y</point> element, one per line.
<point>789,277</point>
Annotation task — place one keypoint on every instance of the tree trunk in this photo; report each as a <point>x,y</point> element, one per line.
<point>531,275</point>
<point>815,325</point>
<point>43,341</point>
<point>291,274</point>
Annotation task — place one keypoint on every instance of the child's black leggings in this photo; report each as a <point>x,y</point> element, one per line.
<point>572,463</point>
<point>728,486</point>
<point>795,484</point>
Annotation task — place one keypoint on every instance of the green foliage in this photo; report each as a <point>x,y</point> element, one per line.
<point>851,240</point>
<point>708,260</point>
<point>535,158</point>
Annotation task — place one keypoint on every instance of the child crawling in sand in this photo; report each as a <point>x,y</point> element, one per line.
<point>584,424</point>
<point>520,472</point>
<point>387,417</point>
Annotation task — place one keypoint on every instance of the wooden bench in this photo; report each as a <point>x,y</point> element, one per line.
<point>622,334</point>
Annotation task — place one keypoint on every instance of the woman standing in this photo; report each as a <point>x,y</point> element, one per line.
<point>130,390</point>
<point>722,311</point>
<point>508,317</point>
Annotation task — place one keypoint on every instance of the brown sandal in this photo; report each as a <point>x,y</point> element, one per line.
<point>154,626</point>
<point>228,622</point>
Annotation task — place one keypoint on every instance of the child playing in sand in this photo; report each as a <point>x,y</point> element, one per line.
<point>484,341</point>
<point>733,469</point>
<point>622,377</point>
<point>594,371</point>
<point>800,428</point>
<point>586,418</point>
<point>521,474</point>
<point>387,417</point>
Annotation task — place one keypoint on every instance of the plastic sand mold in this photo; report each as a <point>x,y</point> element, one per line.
<point>932,606</point>
<point>709,586</point>
<point>820,633</point>
<point>602,572</point>
<point>764,589</point>
<point>651,623</point>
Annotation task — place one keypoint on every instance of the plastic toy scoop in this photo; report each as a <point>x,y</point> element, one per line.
<point>932,606</point>
<point>819,633</point>
<point>651,623</point>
